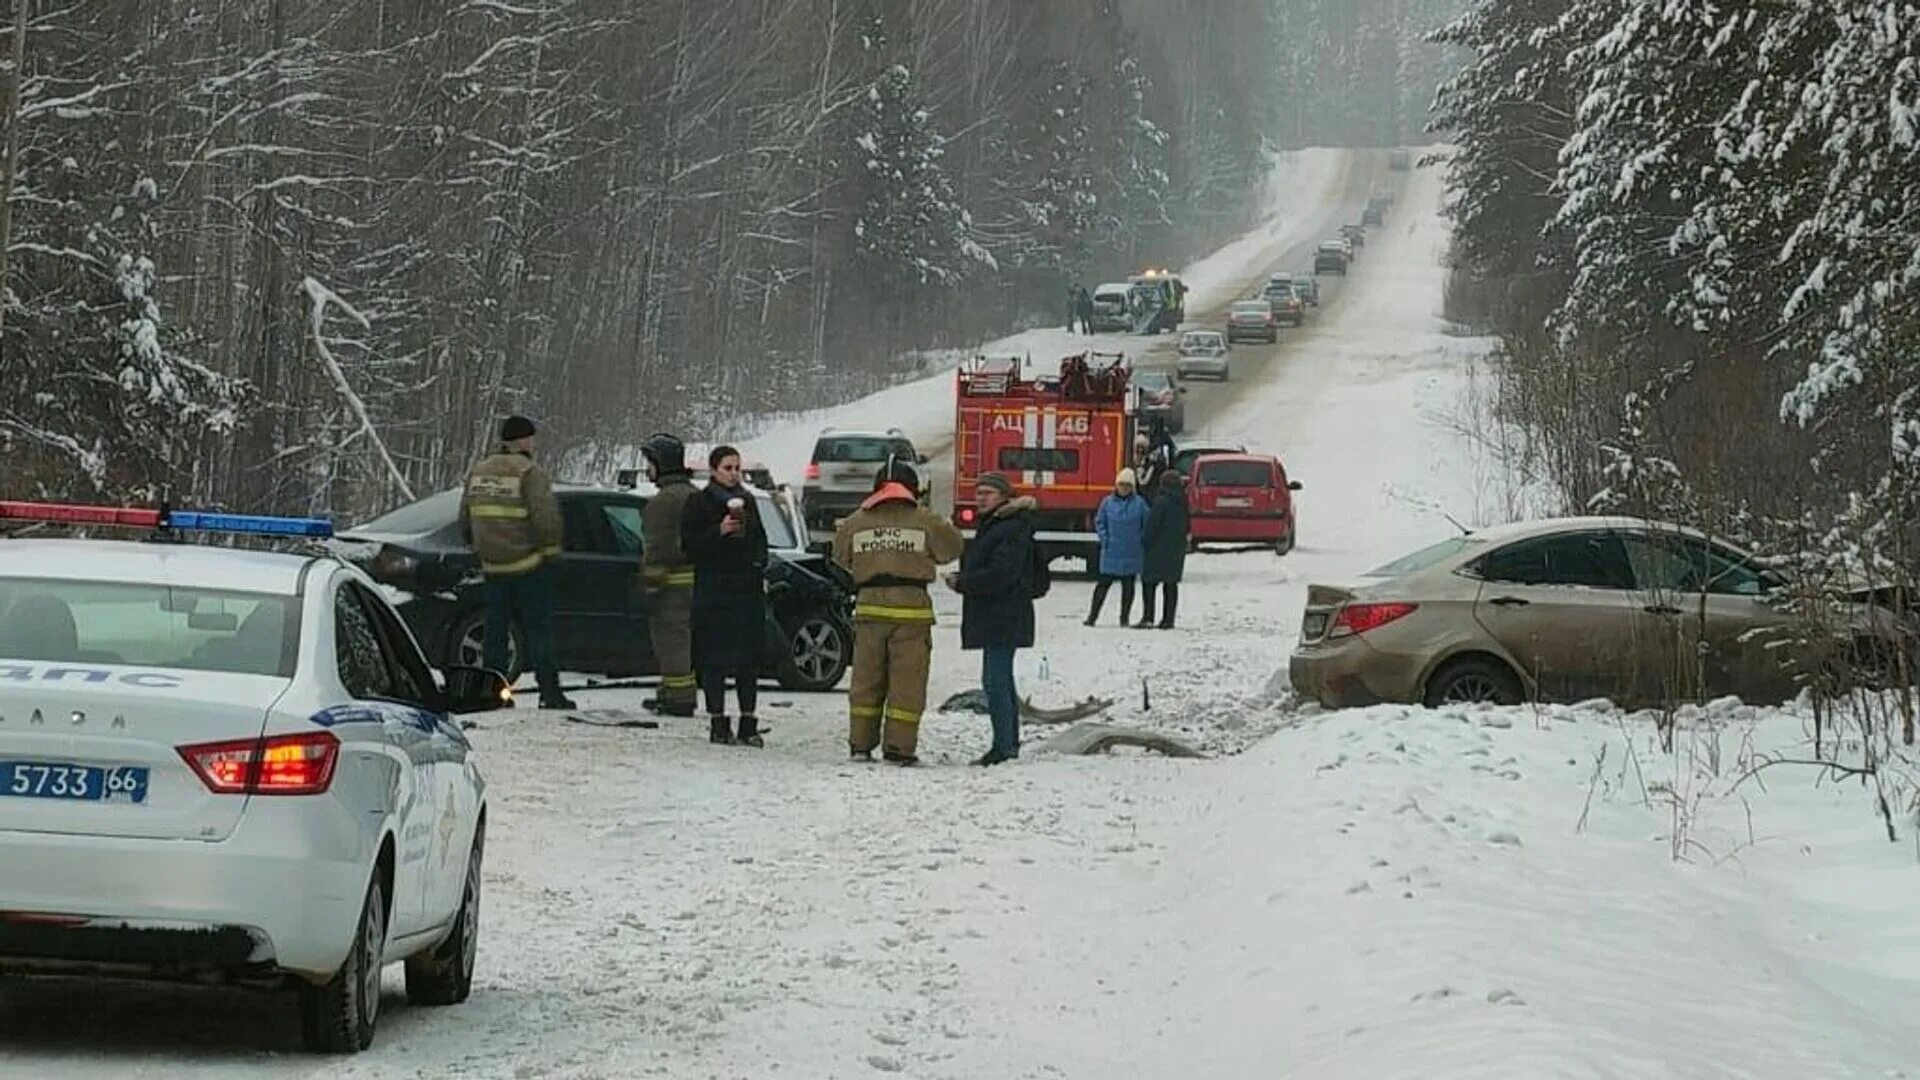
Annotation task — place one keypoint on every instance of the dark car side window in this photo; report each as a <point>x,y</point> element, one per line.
<point>623,527</point>
<point>579,529</point>
<point>407,671</point>
<point>356,644</point>
<point>1593,559</point>
<point>1672,563</point>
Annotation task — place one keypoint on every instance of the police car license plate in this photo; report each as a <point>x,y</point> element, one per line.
<point>86,783</point>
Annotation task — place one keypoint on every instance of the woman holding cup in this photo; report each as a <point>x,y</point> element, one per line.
<point>724,537</point>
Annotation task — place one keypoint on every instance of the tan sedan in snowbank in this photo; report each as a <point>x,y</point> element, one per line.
<point>1566,610</point>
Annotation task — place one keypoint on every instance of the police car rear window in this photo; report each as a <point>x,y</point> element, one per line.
<point>90,622</point>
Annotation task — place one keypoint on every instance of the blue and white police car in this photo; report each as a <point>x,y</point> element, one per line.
<point>229,765</point>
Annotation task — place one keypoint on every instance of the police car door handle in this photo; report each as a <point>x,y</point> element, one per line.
<point>1509,601</point>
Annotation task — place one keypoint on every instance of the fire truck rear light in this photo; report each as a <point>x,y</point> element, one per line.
<point>968,515</point>
<point>278,765</point>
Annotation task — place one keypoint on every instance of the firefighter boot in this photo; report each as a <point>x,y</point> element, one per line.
<point>721,730</point>
<point>749,731</point>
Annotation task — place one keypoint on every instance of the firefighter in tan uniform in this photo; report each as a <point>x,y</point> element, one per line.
<point>668,575</point>
<point>892,547</point>
<point>512,521</point>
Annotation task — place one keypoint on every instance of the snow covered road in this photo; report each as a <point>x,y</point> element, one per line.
<point>1374,894</point>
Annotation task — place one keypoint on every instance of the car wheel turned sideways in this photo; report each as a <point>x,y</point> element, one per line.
<point>338,1018</point>
<point>819,648</point>
<point>467,645</point>
<point>1473,680</point>
<point>443,975</point>
<point>1283,545</point>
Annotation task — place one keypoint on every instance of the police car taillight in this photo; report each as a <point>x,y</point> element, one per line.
<point>277,765</point>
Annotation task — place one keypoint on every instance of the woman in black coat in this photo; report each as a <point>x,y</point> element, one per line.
<point>996,585</point>
<point>1168,526</point>
<point>724,537</point>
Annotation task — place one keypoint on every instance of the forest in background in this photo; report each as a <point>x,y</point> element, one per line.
<point>241,237</point>
<point>1695,228</point>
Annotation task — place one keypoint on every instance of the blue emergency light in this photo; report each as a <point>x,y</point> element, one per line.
<point>250,524</point>
<point>202,521</point>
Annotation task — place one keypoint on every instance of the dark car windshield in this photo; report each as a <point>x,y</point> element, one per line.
<point>148,625</point>
<point>1153,380</point>
<point>433,512</point>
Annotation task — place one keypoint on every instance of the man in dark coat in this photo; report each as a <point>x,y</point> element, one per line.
<point>995,582</point>
<point>1168,526</point>
<point>722,534</point>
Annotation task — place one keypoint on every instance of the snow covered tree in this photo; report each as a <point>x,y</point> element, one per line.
<point>909,221</point>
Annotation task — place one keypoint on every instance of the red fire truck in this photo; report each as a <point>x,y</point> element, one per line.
<point>1061,438</point>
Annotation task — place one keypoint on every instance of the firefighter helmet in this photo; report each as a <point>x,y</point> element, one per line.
<point>897,470</point>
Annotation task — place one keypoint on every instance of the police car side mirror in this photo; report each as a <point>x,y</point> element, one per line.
<point>475,689</point>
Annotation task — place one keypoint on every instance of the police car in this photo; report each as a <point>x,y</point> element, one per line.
<point>228,765</point>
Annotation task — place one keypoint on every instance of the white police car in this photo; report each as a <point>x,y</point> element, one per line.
<point>230,765</point>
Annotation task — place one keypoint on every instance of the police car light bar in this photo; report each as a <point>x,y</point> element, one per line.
<point>159,519</point>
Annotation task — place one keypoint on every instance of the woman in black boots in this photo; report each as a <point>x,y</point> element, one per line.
<point>723,535</point>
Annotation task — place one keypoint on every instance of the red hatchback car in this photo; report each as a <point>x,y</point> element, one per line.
<point>1241,499</point>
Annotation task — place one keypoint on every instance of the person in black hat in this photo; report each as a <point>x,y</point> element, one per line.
<point>512,521</point>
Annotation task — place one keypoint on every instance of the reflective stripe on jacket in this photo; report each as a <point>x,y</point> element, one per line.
<point>509,515</point>
<point>893,548</point>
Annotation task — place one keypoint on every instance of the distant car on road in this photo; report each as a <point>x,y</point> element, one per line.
<point>600,616</point>
<point>1203,354</point>
<point>1287,305</point>
<point>1110,307</point>
<point>1355,235</point>
<point>840,474</point>
<point>1376,211</point>
<point>1332,257</point>
<point>1186,453</point>
<point>1568,609</point>
<point>255,777</point>
<point>1160,398</point>
<point>1307,288</point>
<point>1252,319</point>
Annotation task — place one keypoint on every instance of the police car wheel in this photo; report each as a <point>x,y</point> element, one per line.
<point>467,644</point>
<point>338,1018</point>
<point>443,975</point>
<point>819,649</point>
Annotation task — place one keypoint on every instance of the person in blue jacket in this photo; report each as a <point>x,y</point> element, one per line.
<point>1121,525</point>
